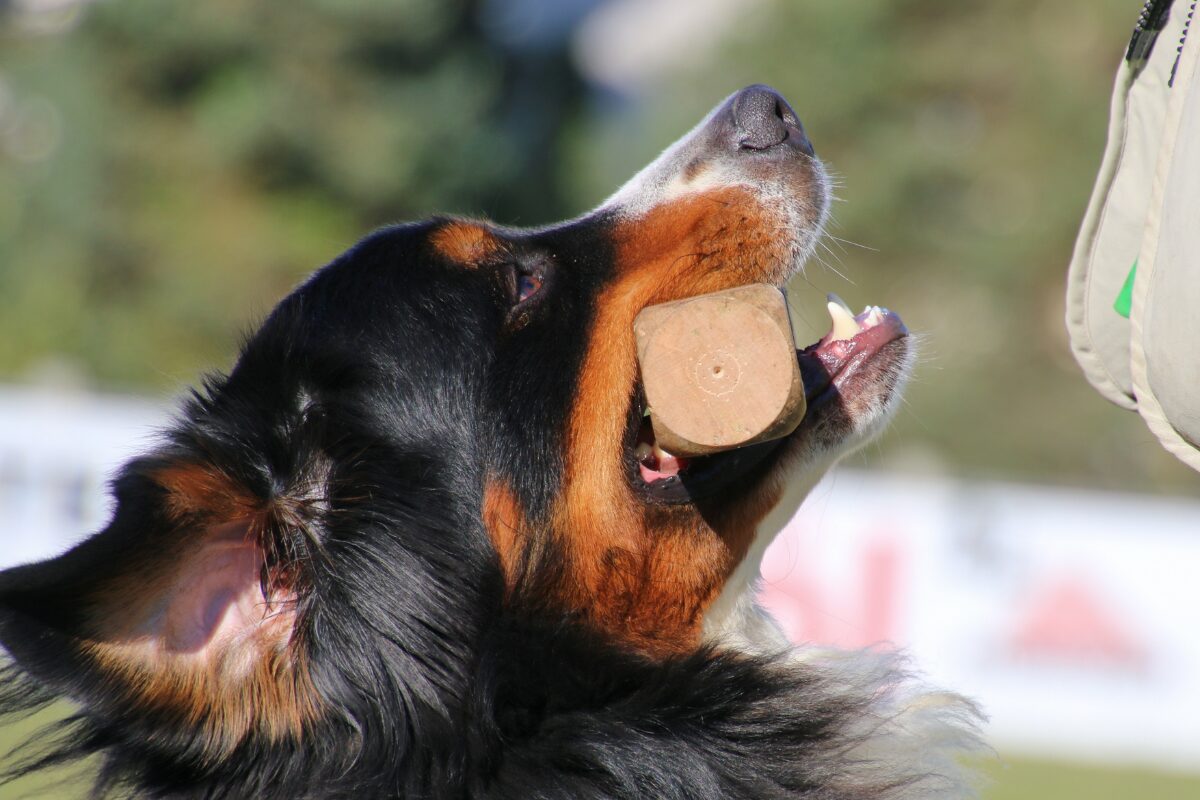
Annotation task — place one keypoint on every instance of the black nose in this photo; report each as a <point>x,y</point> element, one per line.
<point>763,119</point>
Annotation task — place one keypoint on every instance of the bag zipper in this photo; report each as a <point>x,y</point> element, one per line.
<point>1187,26</point>
<point>1150,23</point>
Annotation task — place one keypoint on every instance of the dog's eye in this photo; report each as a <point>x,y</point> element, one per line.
<point>526,283</point>
<point>527,287</point>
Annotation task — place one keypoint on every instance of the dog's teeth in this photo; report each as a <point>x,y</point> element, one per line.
<point>833,298</point>
<point>844,325</point>
<point>874,316</point>
<point>660,454</point>
<point>643,451</point>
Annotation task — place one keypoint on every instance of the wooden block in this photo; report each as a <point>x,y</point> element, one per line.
<point>720,370</point>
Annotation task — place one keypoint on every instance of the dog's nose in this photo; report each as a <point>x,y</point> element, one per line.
<point>763,119</point>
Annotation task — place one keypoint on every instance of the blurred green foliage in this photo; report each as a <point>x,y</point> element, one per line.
<point>169,169</point>
<point>175,167</point>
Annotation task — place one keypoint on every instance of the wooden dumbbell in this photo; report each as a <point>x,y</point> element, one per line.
<point>720,370</point>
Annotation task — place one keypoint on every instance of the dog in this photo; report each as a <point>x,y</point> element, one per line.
<point>409,546</point>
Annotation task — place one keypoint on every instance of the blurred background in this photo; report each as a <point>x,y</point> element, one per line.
<point>169,170</point>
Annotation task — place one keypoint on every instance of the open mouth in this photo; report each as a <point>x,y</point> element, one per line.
<point>828,368</point>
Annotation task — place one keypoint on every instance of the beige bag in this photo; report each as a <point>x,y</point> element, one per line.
<point>1133,292</point>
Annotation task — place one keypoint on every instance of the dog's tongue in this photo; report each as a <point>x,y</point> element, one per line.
<point>654,463</point>
<point>851,338</point>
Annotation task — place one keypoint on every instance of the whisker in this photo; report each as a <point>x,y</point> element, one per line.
<point>840,240</point>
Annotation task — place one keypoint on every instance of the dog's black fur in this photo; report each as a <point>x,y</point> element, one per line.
<point>350,452</point>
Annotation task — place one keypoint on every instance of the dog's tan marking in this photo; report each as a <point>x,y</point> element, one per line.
<point>646,574</point>
<point>504,520</point>
<point>194,489</point>
<point>468,244</point>
<point>261,687</point>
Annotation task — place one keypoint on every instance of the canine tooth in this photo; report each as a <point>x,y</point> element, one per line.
<point>833,298</point>
<point>874,316</point>
<point>844,325</point>
<point>643,451</point>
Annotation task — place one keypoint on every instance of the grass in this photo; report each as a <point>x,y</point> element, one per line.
<point>1026,779</point>
<point>59,784</point>
<point>1014,779</point>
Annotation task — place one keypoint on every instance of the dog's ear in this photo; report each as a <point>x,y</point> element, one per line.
<point>186,609</point>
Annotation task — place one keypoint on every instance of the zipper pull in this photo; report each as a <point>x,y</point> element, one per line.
<point>1150,23</point>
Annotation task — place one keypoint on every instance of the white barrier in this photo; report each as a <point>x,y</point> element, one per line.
<point>57,453</point>
<point>1068,614</point>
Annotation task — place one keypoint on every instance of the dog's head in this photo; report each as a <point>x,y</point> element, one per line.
<point>440,427</point>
